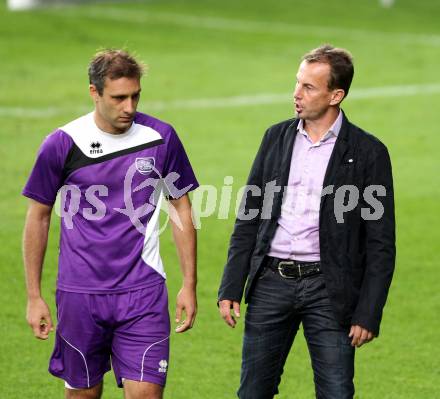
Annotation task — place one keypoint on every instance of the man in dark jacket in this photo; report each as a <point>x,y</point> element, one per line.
<point>314,241</point>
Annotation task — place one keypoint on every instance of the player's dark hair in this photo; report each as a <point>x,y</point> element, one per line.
<point>113,64</point>
<point>341,65</point>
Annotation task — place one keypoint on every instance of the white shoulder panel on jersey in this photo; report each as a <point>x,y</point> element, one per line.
<point>95,143</point>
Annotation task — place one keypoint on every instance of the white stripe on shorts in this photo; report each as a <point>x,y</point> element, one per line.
<point>85,363</point>
<point>146,350</point>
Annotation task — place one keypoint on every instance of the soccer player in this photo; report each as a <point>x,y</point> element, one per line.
<point>112,168</point>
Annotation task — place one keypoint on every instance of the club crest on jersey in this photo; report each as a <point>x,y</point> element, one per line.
<point>145,165</point>
<point>96,147</point>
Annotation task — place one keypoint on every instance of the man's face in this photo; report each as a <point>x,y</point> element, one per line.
<point>116,108</point>
<point>312,96</point>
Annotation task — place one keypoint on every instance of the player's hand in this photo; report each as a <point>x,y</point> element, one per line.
<point>38,318</point>
<point>225,307</point>
<point>186,301</point>
<point>360,336</point>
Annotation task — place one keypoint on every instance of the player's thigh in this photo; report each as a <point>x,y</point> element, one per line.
<point>81,355</point>
<point>142,390</point>
<point>140,347</point>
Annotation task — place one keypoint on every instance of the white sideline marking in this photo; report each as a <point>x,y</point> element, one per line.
<point>249,26</point>
<point>229,102</point>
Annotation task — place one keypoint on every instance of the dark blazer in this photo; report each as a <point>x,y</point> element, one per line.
<point>357,255</point>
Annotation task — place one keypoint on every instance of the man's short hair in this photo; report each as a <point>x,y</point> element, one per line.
<point>341,65</point>
<point>113,64</point>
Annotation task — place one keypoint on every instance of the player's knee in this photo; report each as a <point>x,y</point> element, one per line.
<point>142,390</point>
<point>154,395</point>
<point>144,395</point>
<point>90,393</point>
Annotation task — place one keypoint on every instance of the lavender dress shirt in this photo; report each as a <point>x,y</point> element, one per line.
<point>297,234</point>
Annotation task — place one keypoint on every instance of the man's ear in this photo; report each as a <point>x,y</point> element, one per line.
<point>337,96</point>
<point>93,92</point>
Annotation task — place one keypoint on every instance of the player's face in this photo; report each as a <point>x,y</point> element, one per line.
<point>116,108</point>
<point>312,96</point>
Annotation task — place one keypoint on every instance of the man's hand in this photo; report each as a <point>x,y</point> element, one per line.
<point>225,307</point>
<point>38,318</point>
<point>360,336</point>
<point>186,301</point>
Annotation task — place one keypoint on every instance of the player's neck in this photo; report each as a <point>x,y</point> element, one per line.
<point>105,126</point>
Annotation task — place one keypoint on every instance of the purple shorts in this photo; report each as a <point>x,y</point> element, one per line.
<point>131,330</point>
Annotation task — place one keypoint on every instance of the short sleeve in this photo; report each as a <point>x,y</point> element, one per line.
<point>179,177</point>
<point>46,177</point>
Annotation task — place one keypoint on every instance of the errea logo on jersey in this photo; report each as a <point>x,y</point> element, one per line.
<point>96,147</point>
<point>163,365</point>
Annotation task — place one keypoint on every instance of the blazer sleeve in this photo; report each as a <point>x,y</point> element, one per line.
<point>380,249</point>
<point>243,239</point>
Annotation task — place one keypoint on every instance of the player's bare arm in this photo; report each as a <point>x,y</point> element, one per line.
<point>35,235</point>
<point>185,238</point>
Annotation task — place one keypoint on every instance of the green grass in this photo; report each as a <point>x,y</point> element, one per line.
<point>210,49</point>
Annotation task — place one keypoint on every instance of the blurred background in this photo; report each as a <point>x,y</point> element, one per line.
<point>221,73</point>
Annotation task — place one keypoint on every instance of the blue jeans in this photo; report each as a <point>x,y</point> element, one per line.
<point>276,308</point>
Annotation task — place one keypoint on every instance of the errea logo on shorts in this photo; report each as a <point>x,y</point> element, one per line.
<point>163,365</point>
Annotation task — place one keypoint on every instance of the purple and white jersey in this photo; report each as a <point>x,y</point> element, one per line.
<point>111,187</point>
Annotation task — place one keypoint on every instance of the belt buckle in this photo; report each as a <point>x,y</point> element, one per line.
<point>280,269</point>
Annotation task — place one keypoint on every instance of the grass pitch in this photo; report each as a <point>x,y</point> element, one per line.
<point>221,73</point>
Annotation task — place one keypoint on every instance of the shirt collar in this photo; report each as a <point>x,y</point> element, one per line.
<point>334,129</point>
